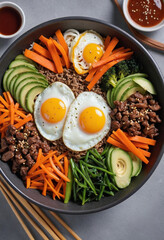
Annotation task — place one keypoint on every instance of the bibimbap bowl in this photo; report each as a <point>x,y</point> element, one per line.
<point>150,67</point>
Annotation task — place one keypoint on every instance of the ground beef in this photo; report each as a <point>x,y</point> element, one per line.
<point>137,115</point>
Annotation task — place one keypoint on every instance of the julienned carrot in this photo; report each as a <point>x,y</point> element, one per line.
<point>46,176</point>
<point>23,121</point>
<point>55,56</point>
<point>118,50</point>
<point>131,147</point>
<point>40,60</point>
<point>42,51</point>
<point>116,143</point>
<point>61,40</point>
<point>112,57</point>
<point>107,41</point>
<point>111,46</point>
<point>100,73</point>
<point>143,140</point>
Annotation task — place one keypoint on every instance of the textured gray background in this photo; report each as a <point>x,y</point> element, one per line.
<point>140,217</point>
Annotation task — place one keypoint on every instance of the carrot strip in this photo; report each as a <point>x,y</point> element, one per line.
<point>42,51</point>
<point>11,101</point>
<point>34,167</point>
<point>40,60</point>
<point>59,164</point>
<point>51,186</point>
<point>34,183</point>
<point>55,56</point>
<point>12,114</point>
<point>49,173</point>
<point>44,192</point>
<point>63,53</point>
<point>145,153</point>
<point>118,50</point>
<point>141,145</point>
<point>61,40</point>
<point>117,144</point>
<point>107,41</point>
<point>61,156</point>
<point>20,113</point>
<point>6,97</point>
<point>59,173</point>
<point>4,102</point>
<point>142,140</point>
<point>91,74</point>
<point>4,110</point>
<point>112,57</point>
<point>28,181</point>
<point>131,147</point>
<point>23,121</point>
<point>110,47</point>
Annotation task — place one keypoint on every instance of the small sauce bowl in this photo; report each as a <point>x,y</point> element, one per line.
<point>136,25</point>
<point>14,15</point>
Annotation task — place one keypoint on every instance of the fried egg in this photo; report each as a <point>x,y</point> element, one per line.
<point>87,122</point>
<point>88,49</point>
<point>71,36</point>
<point>50,110</point>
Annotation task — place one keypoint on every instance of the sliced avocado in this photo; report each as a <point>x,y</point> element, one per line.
<point>22,57</point>
<point>145,84</point>
<point>112,97</point>
<point>24,75</point>
<point>16,71</point>
<point>119,87</point>
<point>137,164</point>
<point>25,81</point>
<point>131,90</point>
<point>5,77</point>
<point>133,75</point>
<point>128,84</point>
<point>108,96</point>
<point>68,186</point>
<point>11,85</point>
<point>24,90</point>
<point>121,165</point>
<point>31,95</point>
<point>17,63</point>
<point>108,157</point>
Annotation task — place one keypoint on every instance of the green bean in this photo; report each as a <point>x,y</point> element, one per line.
<point>88,182</point>
<point>79,183</point>
<point>97,161</point>
<point>74,191</point>
<point>95,154</point>
<point>73,166</point>
<point>108,182</point>
<point>109,192</point>
<point>84,194</point>
<point>101,192</point>
<point>85,172</point>
<point>86,157</point>
<point>80,196</point>
<point>92,174</point>
<point>114,187</point>
<point>98,154</point>
<point>99,168</point>
<point>105,151</point>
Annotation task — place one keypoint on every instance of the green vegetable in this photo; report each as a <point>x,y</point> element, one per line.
<point>68,186</point>
<point>109,79</point>
<point>122,69</point>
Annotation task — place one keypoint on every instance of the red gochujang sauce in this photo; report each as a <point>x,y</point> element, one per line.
<point>10,20</point>
<point>146,13</point>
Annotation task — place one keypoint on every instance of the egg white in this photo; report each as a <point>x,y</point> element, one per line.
<point>80,65</point>
<point>52,131</point>
<point>73,136</point>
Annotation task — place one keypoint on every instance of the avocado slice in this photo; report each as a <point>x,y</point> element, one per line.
<point>145,84</point>
<point>120,91</point>
<point>15,71</point>
<point>17,63</point>
<point>137,164</point>
<point>22,57</point>
<point>31,95</point>
<point>121,165</point>
<point>5,77</point>
<point>131,90</point>
<point>25,81</point>
<point>24,90</point>
<point>25,75</point>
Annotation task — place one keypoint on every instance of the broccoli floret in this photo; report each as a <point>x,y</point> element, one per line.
<point>109,78</point>
<point>133,66</point>
<point>122,69</point>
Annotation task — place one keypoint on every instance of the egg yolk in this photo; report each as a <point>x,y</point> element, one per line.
<point>92,120</point>
<point>53,110</point>
<point>92,53</point>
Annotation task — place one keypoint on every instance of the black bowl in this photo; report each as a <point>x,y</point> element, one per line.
<point>150,67</point>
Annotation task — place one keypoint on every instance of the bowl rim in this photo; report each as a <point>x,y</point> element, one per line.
<point>136,25</point>
<point>82,18</point>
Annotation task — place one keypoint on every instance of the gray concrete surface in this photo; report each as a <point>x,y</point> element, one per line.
<point>140,217</point>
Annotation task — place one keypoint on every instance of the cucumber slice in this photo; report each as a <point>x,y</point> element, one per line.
<point>25,75</point>
<point>131,90</point>
<point>16,71</point>
<point>121,165</point>
<point>137,164</point>
<point>17,63</point>
<point>24,91</point>
<point>5,77</point>
<point>31,95</point>
<point>68,186</point>
<point>145,84</point>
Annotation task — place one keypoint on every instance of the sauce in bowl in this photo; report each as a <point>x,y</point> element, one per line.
<point>10,20</point>
<point>146,13</point>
